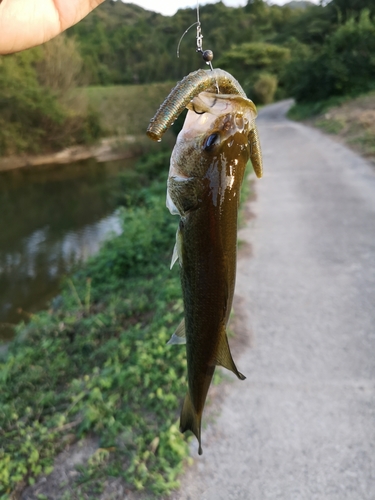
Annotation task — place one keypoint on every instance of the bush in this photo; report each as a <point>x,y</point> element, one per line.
<point>248,61</point>
<point>29,113</point>
<point>264,88</point>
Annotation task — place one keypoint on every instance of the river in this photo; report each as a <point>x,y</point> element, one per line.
<point>51,219</point>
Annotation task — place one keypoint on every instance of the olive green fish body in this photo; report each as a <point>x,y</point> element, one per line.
<point>206,173</point>
<point>208,251</point>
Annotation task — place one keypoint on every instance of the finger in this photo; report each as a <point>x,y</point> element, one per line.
<point>26,23</point>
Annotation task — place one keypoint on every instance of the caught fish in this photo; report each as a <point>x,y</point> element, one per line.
<point>189,87</point>
<point>206,172</point>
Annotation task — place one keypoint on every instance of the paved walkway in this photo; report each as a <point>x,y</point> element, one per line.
<point>302,426</point>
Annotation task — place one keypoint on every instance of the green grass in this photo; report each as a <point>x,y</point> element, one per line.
<point>330,126</point>
<point>365,142</point>
<point>97,362</point>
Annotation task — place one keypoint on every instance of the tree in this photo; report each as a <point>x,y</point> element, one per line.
<point>248,61</point>
<point>38,109</point>
<point>344,65</point>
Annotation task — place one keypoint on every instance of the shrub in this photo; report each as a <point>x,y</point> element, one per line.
<point>248,61</point>
<point>265,88</point>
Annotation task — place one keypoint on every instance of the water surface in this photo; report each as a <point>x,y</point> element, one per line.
<point>51,218</point>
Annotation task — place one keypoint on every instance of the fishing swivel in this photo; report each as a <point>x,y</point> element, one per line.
<point>207,55</point>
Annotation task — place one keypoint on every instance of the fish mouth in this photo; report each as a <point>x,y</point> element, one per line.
<point>215,117</point>
<point>219,104</point>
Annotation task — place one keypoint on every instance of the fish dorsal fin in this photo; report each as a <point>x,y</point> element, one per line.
<point>179,336</point>
<point>224,357</point>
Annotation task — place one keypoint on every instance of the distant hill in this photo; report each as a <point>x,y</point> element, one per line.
<point>122,43</point>
<point>299,4</point>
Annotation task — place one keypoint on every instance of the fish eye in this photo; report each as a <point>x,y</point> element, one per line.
<point>210,142</point>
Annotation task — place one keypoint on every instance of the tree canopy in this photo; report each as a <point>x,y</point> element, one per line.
<point>300,49</point>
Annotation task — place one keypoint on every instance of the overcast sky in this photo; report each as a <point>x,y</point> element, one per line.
<point>169,7</point>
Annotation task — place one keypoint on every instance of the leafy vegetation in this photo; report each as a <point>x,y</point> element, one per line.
<point>264,88</point>
<point>256,65</point>
<point>97,361</point>
<point>344,65</point>
<point>125,109</point>
<point>313,52</point>
<point>309,52</point>
<point>35,114</point>
<point>302,111</point>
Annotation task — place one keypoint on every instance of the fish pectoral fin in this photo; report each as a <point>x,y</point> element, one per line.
<point>179,336</point>
<point>184,193</point>
<point>170,205</point>
<point>190,420</point>
<point>224,357</point>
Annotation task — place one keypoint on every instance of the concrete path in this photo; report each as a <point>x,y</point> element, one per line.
<point>302,426</point>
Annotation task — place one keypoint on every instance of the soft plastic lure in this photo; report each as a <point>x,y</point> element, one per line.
<point>188,88</point>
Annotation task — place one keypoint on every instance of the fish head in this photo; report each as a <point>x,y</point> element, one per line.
<point>213,145</point>
<point>216,126</point>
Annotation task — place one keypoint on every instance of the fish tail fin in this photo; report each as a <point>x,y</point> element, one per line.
<point>224,357</point>
<point>191,421</point>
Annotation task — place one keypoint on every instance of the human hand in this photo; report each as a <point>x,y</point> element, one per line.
<point>26,23</point>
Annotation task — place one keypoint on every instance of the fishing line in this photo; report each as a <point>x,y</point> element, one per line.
<point>179,43</point>
<point>207,55</point>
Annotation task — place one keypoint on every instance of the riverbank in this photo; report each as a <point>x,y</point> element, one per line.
<point>53,218</point>
<point>108,149</point>
<point>95,364</point>
<point>123,111</point>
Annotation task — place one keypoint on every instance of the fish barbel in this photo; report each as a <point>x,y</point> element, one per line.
<point>206,172</point>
